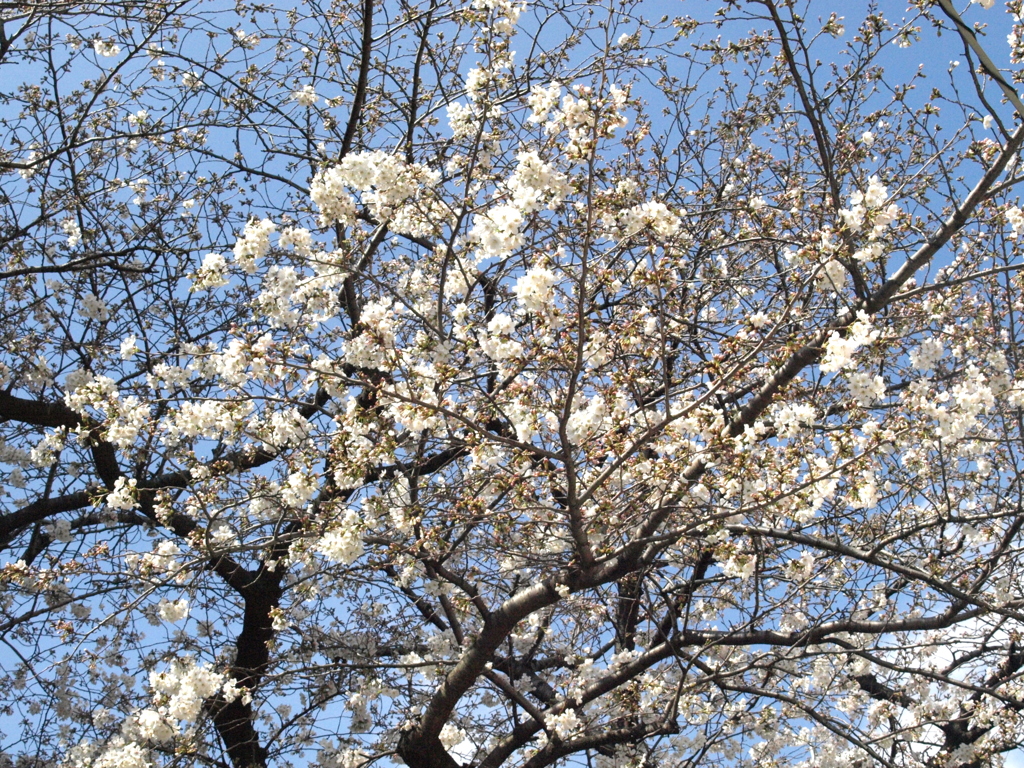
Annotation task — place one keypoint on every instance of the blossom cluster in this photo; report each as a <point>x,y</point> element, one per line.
<point>105,48</point>
<point>306,95</point>
<point>505,14</point>
<point>956,412</point>
<point>657,216</point>
<point>343,542</point>
<point>73,232</point>
<point>253,244</point>
<point>588,420</point>
<point>206,418</point>
<point>536,184</point>
<point>497,232</point>
<point>535,290</point>
<point>372,347</point>
<point>179,693</point>
<point>122,495</point>
<point>181,689</point>
<point>867,206</point>
<point>584,115</point>
<point>1015,217</point>
<point>390,187</point>
<point>497,343</point>
<point>927,355</point>
<point>126,415</point>
<point>212,273</point>
<point>840,348</point>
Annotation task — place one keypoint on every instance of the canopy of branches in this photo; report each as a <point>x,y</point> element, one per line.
<point>510,384</point>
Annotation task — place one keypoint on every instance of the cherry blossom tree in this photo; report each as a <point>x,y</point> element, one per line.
<point>510,384</point>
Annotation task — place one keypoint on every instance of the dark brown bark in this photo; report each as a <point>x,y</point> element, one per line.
<point>420,752</point>
<point>235,721</point>
<point>37,412</point>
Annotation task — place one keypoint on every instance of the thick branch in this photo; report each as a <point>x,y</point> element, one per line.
<point>235,721</point>
<point>37,412</point>
<point>365,58</point>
